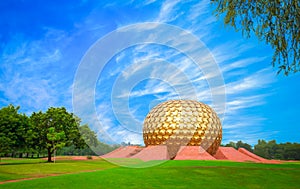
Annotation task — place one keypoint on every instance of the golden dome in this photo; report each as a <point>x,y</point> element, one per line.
<point>178,123</point>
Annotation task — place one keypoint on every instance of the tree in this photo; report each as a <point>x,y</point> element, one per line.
<point>56,128</point>
<point>272,150</point>
<point>276,22</point>
<point>92,146</point>
<point>14,130</point>
<point>272,147</point>
<point>88,136</point>
<point>261,149</point>
<point>36,120</point>
<point>92,143</point>
<point>241,144</point>
<point>291,151</point>
<point>231,144</point>
<point>56,140</point>
<point>8,125</point>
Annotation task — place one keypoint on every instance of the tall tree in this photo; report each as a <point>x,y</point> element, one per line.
<point>92,146</point>
<point>276,22</point>
<point>261,149</point>
<point>36,120</point>
<point>291,151</point>
<point>88,136</point>
<point>13,130</point>
<point>241,144</point>
<point>56,140</point>
<point>272,147</point>
<point>231,144</point>
<point>56,128</point>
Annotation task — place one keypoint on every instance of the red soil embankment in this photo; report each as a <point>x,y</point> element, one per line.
<point>229,153</point>
<point>193,153</point>
<point>122,152</point>
<point>153,153</point>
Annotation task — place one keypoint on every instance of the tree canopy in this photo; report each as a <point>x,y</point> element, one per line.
<point>56,128</point>
<point>276,22</point>
<point>15,130</point>
<point>270,149</point>
<point>240,144</point>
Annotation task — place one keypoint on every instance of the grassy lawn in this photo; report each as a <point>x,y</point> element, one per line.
<point>11,169</point>
<point>170,174</point>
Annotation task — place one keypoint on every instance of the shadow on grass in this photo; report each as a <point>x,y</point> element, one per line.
<point>21,161</point>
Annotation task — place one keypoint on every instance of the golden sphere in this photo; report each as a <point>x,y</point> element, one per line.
<point>178,123</point>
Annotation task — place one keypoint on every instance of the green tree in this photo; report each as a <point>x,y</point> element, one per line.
<point>276,22</point>
<point>56,139</point>
<point>291,151</point>
<point>56,128</point>
<point>279,152</point>
<point>14,130</point>
<point>261,149</point>
<point>89,136</point>
<point>241,144</point>
<point>272,147</point>
<point>38,143</point>
<point>8,125</point>
<point>272,150</point>
<point>92,145</point>
<point>231,144</point>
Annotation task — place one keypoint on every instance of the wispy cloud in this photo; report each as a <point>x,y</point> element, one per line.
<point>260,79</point>
<point>23,79</point>
<point>167,10</point>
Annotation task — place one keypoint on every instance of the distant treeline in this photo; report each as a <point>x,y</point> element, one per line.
<point>270,149</point>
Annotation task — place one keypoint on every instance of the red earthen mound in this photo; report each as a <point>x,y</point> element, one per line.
<point>123,152</point>
<point>193,153</point>
<point>153,153</point>
<point>160,152</point>
<point>229,153</point>
<point>262,160</point>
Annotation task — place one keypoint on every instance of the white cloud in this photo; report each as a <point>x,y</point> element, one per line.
<point>201,8</point>
<point>29,75</point>
<point>167,10</point>
<point>260,79</point>
<point>242,63</point>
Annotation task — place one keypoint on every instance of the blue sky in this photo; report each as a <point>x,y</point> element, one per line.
<point>43,44</point>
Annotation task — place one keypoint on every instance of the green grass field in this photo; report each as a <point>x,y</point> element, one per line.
<point>170,174</point>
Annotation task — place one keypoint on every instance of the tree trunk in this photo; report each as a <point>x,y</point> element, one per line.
<point>49,155</point>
